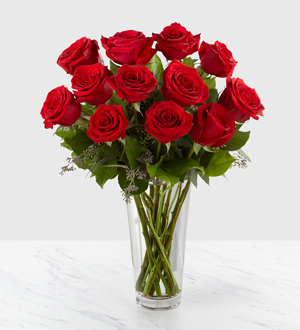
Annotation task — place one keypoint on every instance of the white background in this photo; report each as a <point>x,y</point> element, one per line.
<point>261,202</point>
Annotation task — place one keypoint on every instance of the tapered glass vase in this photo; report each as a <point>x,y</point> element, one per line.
<point>157,224</point>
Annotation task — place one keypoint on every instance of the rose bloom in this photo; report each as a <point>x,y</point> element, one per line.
<point>107,124</point>
<point>241,100</point>
<point>82,52</point>
<point>129,47</point>
<point>133,82</point>
<point>213,125</point>
<point>216,59</point>
<point>89,84</point>
<point>183,85</point>
<point>175,42</point>
<point>60,108</point>
<point>167,121</point>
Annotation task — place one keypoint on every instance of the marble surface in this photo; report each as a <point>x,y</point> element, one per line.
<point>88,285</point>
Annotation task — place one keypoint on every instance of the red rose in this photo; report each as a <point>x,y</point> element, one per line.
<point>241,100</point>
<point>183,85</point>
<point>89,84</point>
<point>213,125</point>
<point>129,47</point>
<point>60,108</point>
<point>175,42</point>
<point>133,82</point>
<point>107,124</point>
<point>216,59</point>
<point>167,121</point>
<point>82,52</point>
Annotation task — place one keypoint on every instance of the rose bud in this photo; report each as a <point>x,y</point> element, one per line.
<point>213,125</point>
<point>183,85</point>
<point>107,124</point>
<point>216,59</point>
<point>175,42</point>
<point>89,84</point>
<point>60,108</point>
<point>240,100</point>
<point>167,121</point>
<point>133,83</point>
<point>129,47</point>
<point>82,52</point>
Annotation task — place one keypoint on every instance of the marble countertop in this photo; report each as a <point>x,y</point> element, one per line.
<point>88,285</point>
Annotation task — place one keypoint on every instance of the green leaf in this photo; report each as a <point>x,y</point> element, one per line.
<point>152,168</point>
<point>202,73</point>
<point>213,96</point>
<point>65,132</point>
<point>242,153</point>
<point>113,67</point>
<point>204,177</point>
<point>165,176</point>
<point>137,106</point>
<point>181,166</point>
<point>114,100</point>
<point>88,108</point>
<point>106,149</point>
<point>133,151</point>
<point>124,183</point>
<point>183,143</point>
<point>238,125</point>
<point>65,145</point>
<point>156,67</point>
<point>196,147</point>
<point>237,141</point>
<point>189,62</point>
<point>193,176</point>
<point>205,158</point>
<point>79,142</point>
<point>104,161</point>
<point>106,173</point>
<point>211,83</point>
<point>219,163</point>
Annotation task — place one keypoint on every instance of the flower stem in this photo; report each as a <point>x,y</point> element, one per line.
<point>158,151</point>
<point>135,116</point>
<point>82,122</point>
<point>190,152</point>
<point>153,261</point>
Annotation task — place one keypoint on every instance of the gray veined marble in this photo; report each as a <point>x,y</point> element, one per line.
<point>89,285</point>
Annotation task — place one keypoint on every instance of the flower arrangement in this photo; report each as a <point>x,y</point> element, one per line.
<point>145,123</point>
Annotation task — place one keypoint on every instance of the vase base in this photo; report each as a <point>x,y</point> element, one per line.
<point>158,303</point>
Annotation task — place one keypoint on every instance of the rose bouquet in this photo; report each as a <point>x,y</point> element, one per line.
<point>155,128</point>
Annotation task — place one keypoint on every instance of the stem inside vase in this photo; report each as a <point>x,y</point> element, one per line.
<point>163,229</point>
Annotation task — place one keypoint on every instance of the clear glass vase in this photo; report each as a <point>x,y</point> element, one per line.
<point>157,225</point>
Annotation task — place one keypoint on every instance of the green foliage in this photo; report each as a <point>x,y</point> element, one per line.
<point>125,183</point>
<point>243,154</point>
<point>181,166</point>
<point>213,96</point>
<point>156,67</point>
<point>219,163</point>
<point>166,176</point>
<point>238,140</point>
<point>114,100</point>
<point>113,67</point>
<point>88,108</point>
<point>194,176</point>
<point>211,83</point>
<point>153,168</point>
<point>133,151</point>
<point>189,62</point>
<point>79,142</point>
<point>65,132</point>
<point>106,173</point>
